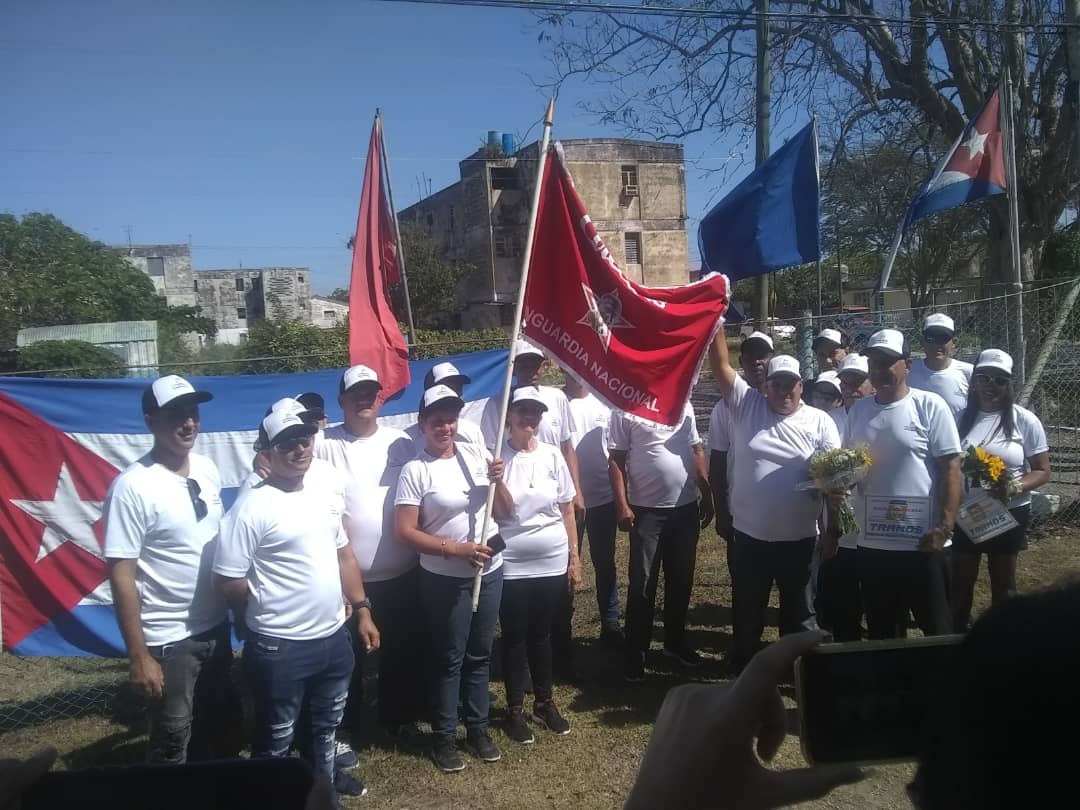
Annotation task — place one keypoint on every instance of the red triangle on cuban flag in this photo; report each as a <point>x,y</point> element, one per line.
<point>51,533</point>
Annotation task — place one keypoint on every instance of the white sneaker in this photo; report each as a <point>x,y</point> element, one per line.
<point>344,756</point>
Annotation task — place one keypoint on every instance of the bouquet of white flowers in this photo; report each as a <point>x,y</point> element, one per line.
<point>838,470</point>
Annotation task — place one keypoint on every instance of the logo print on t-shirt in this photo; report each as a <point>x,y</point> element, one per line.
<point>604,314</point>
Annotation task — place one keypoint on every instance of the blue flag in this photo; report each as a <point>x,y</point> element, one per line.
<point>770,220</point>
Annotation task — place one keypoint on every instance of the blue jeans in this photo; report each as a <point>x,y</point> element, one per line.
<point>461,647</point>
<point>284,675</point>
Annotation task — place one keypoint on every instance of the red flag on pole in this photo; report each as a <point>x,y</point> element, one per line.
<point>374,337</point>
<point>637,348</point>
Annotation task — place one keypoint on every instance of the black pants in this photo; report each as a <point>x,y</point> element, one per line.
<point>839,601</point>
<point>667,536</point>
<point>894,582</point>
<point>403,655</point>
<point>757,564</point>
<point>525,616</point>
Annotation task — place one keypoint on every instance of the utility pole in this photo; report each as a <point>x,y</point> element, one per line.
<point>763,108</point>
<point>1072,91</point>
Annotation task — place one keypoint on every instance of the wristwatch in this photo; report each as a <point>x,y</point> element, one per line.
<point>946,533</point>
<point>363,603</point>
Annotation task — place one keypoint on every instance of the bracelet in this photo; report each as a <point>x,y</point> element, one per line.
<point>442,549</point>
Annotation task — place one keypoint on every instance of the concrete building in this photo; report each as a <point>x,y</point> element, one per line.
<point>169,267</point>
<point>634,191</point>
<point>326,313</point>
<point>238,298</point>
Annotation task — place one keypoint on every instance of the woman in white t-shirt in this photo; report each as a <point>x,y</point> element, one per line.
<point>440,510</point>
<point>539,563</point>
<point>1016,435</point>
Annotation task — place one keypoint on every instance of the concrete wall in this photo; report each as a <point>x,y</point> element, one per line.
<point>176,284</point>
<point>327,312</point>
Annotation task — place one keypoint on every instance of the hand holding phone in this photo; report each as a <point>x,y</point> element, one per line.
<point>701,753</point>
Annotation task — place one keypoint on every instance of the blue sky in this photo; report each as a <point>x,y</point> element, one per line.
<point>243,126</point>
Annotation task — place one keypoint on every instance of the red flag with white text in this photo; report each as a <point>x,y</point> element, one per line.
<point>637,348</point>
<point>375,340</point>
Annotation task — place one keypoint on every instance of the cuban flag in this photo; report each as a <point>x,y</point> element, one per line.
<point>972,169</point>
<point>64,442</point>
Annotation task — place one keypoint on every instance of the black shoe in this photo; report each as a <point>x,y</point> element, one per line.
<point>517,729</point>
<point>480,742</point>
<point>685,656</point>
<point>612,634</point>
<point>547,715</point>
<point>634,671</point>
<point>445,755</point>
<point>347,785</point>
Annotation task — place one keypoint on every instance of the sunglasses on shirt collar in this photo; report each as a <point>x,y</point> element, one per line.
<point>194,491</point>
<point>998,380</point>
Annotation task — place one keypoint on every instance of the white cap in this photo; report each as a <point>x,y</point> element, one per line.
<point>523,347</point>
<point>996,360</point>
<point>168,390</point>
<point>828,378</point>
<point>289,405</point>
<point>440,393</point>
<point>939,320</point>
<point>443,371</point>
<point>887,340</point>
<point>283,424</point>
<point>358,374</point>
<point>783,365</point>
<point>528,394</point>
<point>757,336</point>
<point>831,335</point>
<point>856,363</point>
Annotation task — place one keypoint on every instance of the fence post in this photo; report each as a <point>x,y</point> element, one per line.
<point>805,343</point>
<point>1048,346</point>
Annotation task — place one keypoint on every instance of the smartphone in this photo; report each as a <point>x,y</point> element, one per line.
<point>868,701</point>
<point>496,544</point>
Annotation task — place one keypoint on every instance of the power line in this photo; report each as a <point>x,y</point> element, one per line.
<point>838,18</point>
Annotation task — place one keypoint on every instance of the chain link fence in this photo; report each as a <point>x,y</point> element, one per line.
<point>42,691</point>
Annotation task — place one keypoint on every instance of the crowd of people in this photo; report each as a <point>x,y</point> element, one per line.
<point>358,537</point>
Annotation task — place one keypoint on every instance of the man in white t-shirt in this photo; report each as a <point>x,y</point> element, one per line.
<point>776,525</point>
<point>755,351</point>
<point>906,506</point>
<point>830,348</point>
<point>284,563</point>
<point>467,431</point>
<point>161,523</point>
<point>315,406</point>
<point>939,371</point>
<point>370,457</point>
<point>838,601</point>
<point>658,474</point>
<point>592,418</point>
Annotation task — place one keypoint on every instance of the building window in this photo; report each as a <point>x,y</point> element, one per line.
<point>240,285</point>
<point>504,178</point>
<point>632,242</point>
<point>629,181</point>
<point>451,217</point>
<point>155,266</point>
<point>329,315</point>
<point>500,247</point>
<point>195,285</point>
<point>517,246</point>
<point>241,313</point>
<point>300,277</point>
<point>506,316</point>
<point>430,220</point>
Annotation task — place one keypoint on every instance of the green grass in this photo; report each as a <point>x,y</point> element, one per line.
<point>593,767</point>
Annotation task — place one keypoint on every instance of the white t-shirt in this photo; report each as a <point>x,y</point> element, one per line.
<point>591,419</point>
<point>1028,439</point>
<point>839,417</point>
<point>371,466</point>
<point>286,545</point>
<point>149,516</point>
<point>536,541</point>
<point>721,428</point>
<point>556,425</point>
<point>951,383</point>
<point>772,458</point>
<point>452,496</point>
<point>660,462</point>
<point>467,431</point>
<point>906,438</point>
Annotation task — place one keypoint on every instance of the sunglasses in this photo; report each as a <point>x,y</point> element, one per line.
<point>1000,382</point>
<point>194,491</point>
<point>289,445</point>
<point>937,338</point>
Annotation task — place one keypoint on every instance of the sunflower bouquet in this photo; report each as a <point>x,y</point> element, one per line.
<point>986,471</point>
<point>839,470</point>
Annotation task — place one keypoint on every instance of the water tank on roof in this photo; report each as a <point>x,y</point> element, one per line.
<point>508,143</point>
<point>494,138</point>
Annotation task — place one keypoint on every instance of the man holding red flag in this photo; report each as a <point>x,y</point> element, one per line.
<point>375,340</point>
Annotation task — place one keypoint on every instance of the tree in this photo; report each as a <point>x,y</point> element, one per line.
<point>70,358</point>
<point>1062,257</point>
<point>868,68</point>
<point>292,345</point>
<point>340,294</point>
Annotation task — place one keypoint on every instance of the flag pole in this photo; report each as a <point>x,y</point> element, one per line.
<point>508,380</point>
<point>400,252</point>
<point>1005,109</point>
<point>886,271</point>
